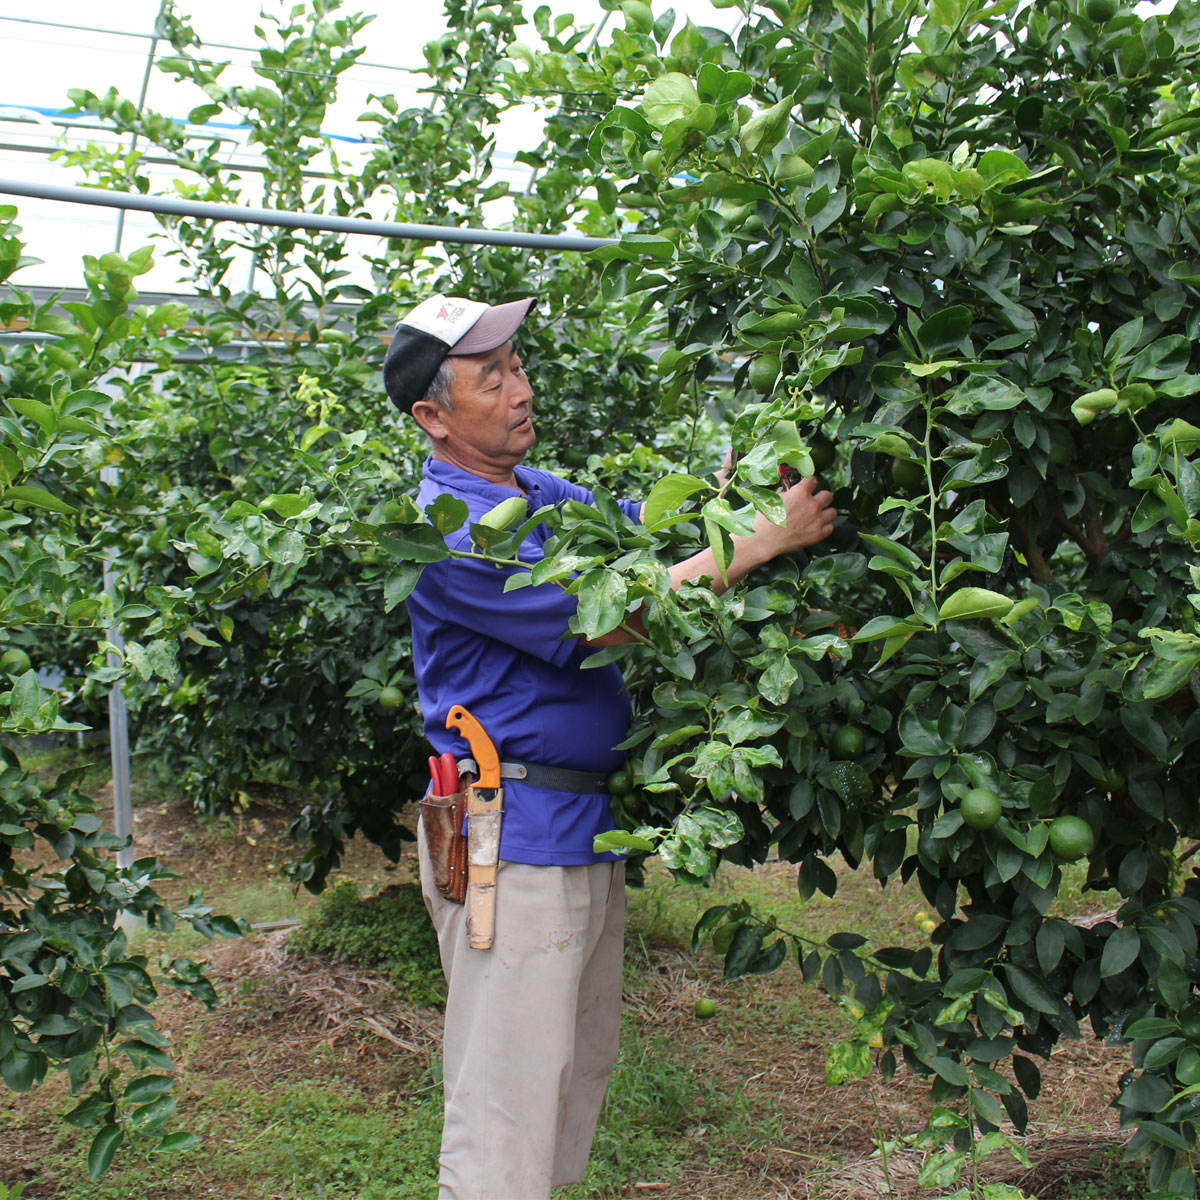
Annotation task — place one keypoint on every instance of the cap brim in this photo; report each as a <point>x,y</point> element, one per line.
<point>494,328</point>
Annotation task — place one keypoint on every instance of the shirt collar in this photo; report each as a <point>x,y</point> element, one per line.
<point>461,480</point>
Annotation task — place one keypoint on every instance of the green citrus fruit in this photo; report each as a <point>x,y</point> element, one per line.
<point>1071,838</point>
<point>392,511</point>
<point>1100,10</point>
<point>822,451</point>
<point>705,1008</point>
<point>1189,1022</point>
<point>14,661</point>
<point>981,808</point>
<point>764,371</point>
<point>1117,433</point>
<point>620,782</point>
<point>391,698</point>
<point>575,456</point>
<point>847,742</point>
<point>907,474</point>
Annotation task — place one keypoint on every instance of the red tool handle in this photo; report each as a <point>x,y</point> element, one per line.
<point>449,770</point>
<point>435,774</point>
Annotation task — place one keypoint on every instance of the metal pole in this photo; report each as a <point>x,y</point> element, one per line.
<point>118,724</point>
<point>298,220</point>
<point>141,104</point>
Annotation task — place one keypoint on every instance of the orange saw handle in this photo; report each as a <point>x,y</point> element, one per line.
<point>487,760</point>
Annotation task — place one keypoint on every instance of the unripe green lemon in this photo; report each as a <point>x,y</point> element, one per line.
<point>1100,10</point>
<point>847,742</point>
<point>822,451</point>
<point>1071,838</point>
<point>764,371</point>
<point>620,782</point>
<point>705,1008</point>
<point>391,698</point>
<point>907,474</point>
<point>981,808</point>
<point>1189,1021</point>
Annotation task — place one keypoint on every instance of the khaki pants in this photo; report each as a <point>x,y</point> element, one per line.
<point>531,1028</point>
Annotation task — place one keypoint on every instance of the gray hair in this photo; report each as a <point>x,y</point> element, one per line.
<point>438,391</point>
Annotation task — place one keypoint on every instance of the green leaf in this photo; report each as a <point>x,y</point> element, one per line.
<point>418,543</point>
<point>148,1087</point>
<point>944,331</point>
<point>286,504</point>
<point>972,603</point>
<point>618,840</point>
<point>602,598</point>
<point>671,97</point>
<point>1031,991</point>
<point>951,1071</point>
<point>37,497</point>
<point>175,1143</point>
<point>1120,951</point>
<point>104,1146</point>
<point>43,414</point>
<point>669,493</point>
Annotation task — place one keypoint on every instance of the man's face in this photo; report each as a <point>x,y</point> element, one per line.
<point>491,422</point>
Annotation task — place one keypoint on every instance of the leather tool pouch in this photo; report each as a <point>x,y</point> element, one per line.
<point>442,818</point>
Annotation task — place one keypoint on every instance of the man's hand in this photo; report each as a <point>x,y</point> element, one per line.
<point>810,518</point>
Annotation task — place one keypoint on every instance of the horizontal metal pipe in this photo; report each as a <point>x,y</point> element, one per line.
<point>206,211</point>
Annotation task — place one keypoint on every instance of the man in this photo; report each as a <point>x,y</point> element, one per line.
<point>532,1023</point>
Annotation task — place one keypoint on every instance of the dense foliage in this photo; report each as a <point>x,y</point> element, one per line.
<point>958,243</point>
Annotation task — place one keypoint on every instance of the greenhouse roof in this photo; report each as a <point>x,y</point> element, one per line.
<point>63,47</point>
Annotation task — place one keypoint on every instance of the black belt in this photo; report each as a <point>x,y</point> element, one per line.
<point>556,779</point>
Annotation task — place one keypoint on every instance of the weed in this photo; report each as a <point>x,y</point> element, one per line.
<point>389,932</point>
<point>660,1114</point>
<point>1107,1178</point>
<point>339,1145</point>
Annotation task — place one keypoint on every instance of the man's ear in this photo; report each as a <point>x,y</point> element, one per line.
<point>429,416</point>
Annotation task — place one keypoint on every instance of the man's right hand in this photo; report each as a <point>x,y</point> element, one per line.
<point>810,518</point>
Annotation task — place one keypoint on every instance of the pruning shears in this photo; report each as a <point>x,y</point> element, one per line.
<point>443,772</point>
<point>485,807</point>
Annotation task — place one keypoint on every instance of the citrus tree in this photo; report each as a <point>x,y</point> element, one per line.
<point>951,252</point>
<point>73,994</point>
